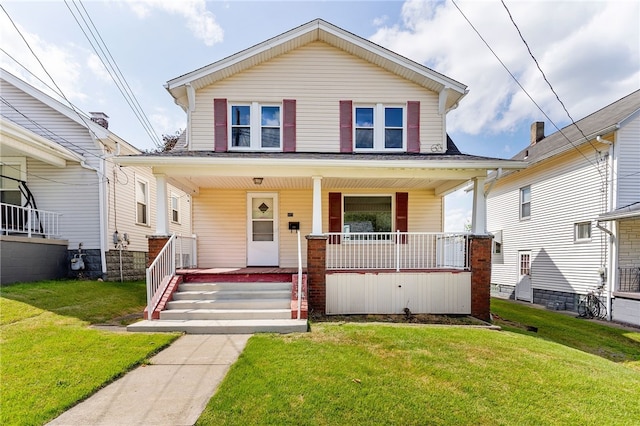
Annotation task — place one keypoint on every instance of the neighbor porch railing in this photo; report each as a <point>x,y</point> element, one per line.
<point>397,250</point>
<point>179,252</point>
<point>28,221</point>
<point>629,280</point>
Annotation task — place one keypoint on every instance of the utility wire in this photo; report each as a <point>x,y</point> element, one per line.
<point>545,77</point>
<point>525,91</point>
<point>112,68</point>
<point>59,90</point>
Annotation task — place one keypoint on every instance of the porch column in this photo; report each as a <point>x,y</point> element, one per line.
<point>479,215</point>
<point>162,205</point>
<point>316,222</point>
<point>317,272</point>
<point>480,263</point>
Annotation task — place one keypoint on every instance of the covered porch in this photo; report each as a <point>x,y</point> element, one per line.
<point>311,194</point>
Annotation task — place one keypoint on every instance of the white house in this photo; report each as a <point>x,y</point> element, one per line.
<point>61,192</point>
<point>570,221</point>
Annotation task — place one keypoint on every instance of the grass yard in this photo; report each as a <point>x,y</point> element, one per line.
<point>50,359</point>
<point>405,374</point>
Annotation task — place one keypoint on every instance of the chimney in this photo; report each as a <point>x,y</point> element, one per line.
<point>101,118</point>
<point>537,132</point>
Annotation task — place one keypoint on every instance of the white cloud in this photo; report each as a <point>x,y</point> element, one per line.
<point>61,62</point>
<point>458,211</point>
<point>97,68</point>
<point>589,63</point>
<point>199,20</point>
<point>165,122</point>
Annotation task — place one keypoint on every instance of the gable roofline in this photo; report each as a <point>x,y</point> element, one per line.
<point>318,30</point>
<point>52,103</point>
<point>599,123</point>
<point>86,122</point>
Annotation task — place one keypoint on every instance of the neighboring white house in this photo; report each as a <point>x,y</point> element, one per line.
<point>570,221</point>
<point>61,191</point>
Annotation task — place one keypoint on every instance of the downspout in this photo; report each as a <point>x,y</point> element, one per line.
<point>612,238</point>
<point>101,192</point>
<point>191,107</point>
<point>498,176</point>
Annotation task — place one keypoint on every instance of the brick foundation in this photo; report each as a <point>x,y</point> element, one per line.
<point>316,272</point>
<point>156,243</point>
<point>480,262</point>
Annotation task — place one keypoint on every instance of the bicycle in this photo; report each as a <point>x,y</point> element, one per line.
<point>590,306</point>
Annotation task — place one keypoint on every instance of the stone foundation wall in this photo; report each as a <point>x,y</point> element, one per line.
<point>561,300</point>
<point>134,265</point>
<point>92,264</point>
<point>503,291</point>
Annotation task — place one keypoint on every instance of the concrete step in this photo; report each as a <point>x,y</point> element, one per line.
<point>224,314</point>
<point>236,286</point>
<point>231,294</point>
<point>246,304</point>
<point>221,326</point>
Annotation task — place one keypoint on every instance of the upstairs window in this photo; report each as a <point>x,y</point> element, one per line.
<point>379,128</point>
<point>142,202</point>
<point>525,202</point>
<point>255,127</point>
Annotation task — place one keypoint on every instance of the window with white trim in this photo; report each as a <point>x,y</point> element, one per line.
<point>10,175</point>
<point>379,128</point>
<point>255,126</point>
<point>142,202</point>
<point>497,249</point>
<point>175,208</point>
<point>582,232</point>
<point>525,202</point>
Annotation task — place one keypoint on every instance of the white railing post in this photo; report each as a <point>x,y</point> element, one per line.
<point>299,275</point>
<point>29,222</point>
<point>398,250</point>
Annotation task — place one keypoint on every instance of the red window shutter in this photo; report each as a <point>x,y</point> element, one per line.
<point>220,125</point>
<point>289,123</point>
<point>402,214</point>
<point>335,216</point>
<point>413,126</point>
<point>346,126</point>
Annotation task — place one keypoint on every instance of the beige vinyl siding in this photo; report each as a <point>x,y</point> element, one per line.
<point>318,76</point>
<point>220,222</point>
<point>564,191</point>
<point>628,155</point>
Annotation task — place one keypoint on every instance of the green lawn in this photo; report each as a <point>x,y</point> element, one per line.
<point>51,359</point>
<point>406,374</point>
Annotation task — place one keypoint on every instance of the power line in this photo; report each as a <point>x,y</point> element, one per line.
<point>102,179</point>
<point>525,91</point>
<point>545,77</point>
<point>112,68</point>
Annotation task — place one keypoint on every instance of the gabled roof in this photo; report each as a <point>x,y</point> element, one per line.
<point>600,123</point>
<point>317,30</point>
<point>52,103</point>
<point>77,116</point>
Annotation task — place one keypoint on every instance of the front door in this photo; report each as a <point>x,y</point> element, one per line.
<point>262,229</point>
<point>523,286</point>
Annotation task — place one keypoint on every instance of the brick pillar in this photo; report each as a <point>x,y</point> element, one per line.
<point>316,272</point>
<point>480,262</point>
<point>156,243</point>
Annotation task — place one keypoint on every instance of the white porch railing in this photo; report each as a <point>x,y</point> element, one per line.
<point>397,250</point>
<point>299,292</point>
<point>28,221</point>
<point>179,252</point>
<point>186,254</point>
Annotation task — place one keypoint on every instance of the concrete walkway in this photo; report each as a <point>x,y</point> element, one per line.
<point>173,390</point>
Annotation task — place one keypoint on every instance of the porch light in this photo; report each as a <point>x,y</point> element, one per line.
<point>257,180</point>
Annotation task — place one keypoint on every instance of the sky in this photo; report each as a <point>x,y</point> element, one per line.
<point>589,52</point>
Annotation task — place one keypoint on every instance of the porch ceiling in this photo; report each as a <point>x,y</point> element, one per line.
<point>195,183</point>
